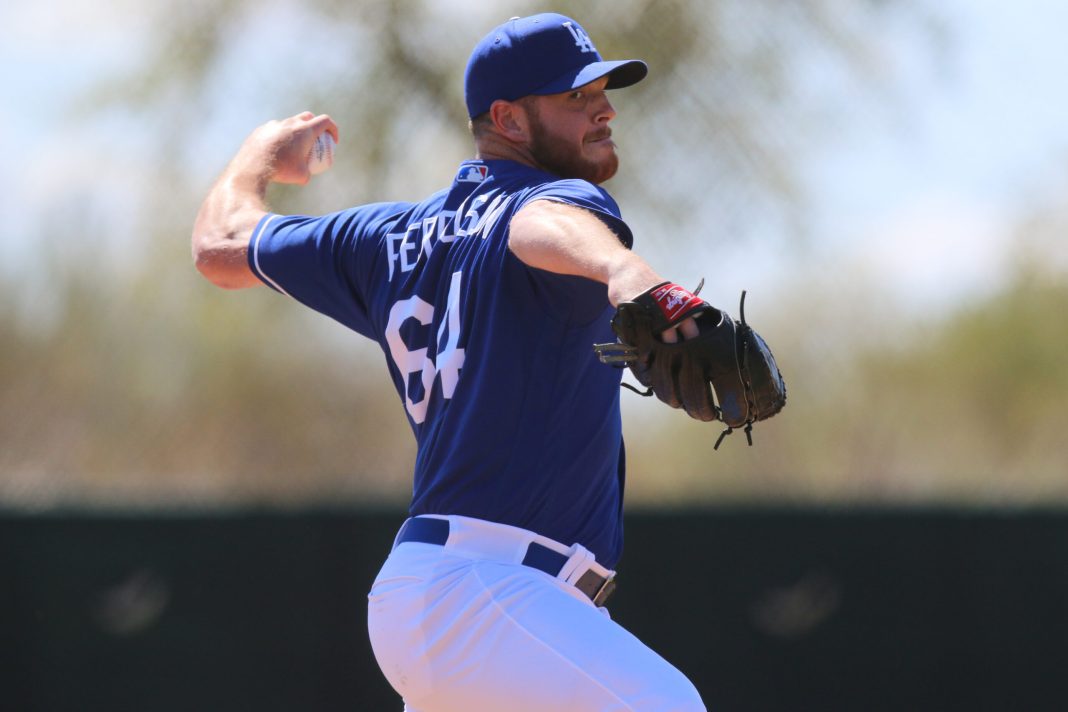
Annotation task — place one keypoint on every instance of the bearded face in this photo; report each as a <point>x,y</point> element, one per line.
<point>570,137</point>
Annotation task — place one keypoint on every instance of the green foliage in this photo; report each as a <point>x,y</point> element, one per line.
<point>162,389</point>
<point>982,395</point>
<point>967,408</point>
<point>138,382</point>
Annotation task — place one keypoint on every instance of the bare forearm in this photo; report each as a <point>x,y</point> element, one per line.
<point>569,240</point>
<point>239,197</point>
<point>627,276</point>
<point>223,227</point>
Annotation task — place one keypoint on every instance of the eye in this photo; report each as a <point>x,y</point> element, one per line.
<point>576,95</point>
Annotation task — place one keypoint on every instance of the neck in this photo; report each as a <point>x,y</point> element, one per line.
<point>492,147</point>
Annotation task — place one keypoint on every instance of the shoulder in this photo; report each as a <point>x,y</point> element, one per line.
<point>534,184</point>
<point>578,191</point>
<point>585,195</point>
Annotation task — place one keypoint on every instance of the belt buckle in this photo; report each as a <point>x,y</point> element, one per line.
<point>604,591</point>
<point>596,587</point>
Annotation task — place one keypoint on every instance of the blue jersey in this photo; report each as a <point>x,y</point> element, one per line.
<point>515,419</point>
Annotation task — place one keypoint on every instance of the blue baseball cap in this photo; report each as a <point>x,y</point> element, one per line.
<point>540,54</point>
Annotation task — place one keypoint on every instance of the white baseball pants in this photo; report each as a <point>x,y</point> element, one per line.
<point>465,627</point>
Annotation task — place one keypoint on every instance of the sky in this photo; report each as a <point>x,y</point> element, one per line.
<point>924,196</point>
<point>936,186</point>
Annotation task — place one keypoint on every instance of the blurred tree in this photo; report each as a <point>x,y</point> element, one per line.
<point>729,104</point>
<point>967,408</point>
<point>974,406</point>
<point>151,386</point>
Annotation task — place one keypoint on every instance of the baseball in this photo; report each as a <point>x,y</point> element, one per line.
<point>321,155</point>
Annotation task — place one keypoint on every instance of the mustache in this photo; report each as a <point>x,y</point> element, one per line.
<point>600,134</point>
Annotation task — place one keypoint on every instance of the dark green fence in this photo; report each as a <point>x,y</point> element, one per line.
<point>764,610</point>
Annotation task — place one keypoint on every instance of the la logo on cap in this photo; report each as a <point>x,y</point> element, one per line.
<point>582,40</point>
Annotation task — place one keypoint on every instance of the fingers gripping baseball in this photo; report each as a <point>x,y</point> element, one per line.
<point>283,146</point>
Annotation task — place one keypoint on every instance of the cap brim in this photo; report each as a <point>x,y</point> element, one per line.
<point>622,73</point>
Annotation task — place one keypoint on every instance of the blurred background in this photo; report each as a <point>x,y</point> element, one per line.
<point>887,179</point>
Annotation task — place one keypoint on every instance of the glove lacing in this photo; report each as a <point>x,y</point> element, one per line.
<point>750,406</point>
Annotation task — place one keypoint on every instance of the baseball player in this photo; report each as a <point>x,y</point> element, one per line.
<point>486,298</point>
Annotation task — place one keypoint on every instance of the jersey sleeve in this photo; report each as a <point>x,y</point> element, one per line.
<point>584,194</point>
<point>575,299</point>
<point>326,262</point>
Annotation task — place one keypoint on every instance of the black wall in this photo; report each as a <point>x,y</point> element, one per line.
<point>764,610</point>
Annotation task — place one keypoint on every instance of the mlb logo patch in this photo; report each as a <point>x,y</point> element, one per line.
<point>472,174</point>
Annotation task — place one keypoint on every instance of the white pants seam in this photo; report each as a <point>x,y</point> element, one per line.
<point>545,645</point>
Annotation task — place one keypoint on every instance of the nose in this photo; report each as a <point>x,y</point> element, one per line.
<point>605,112</point>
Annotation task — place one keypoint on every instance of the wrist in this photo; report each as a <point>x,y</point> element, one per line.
<point>670,303</point>
<point>249,174</point>
<point>630,279</point>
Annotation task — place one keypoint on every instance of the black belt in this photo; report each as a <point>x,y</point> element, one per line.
<point>436,531</point>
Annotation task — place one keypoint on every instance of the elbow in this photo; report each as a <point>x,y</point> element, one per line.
<point>220,263</point>
<point>206,265</point>
<point>220,240</point>
<point>202,241</point>
<point>204,256</point>
<point>200,253</point>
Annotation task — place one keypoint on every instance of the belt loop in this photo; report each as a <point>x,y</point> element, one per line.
<point>396,539</point>
<point>578,562</point>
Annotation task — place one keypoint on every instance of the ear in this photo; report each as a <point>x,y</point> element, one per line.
<point>510,120</point>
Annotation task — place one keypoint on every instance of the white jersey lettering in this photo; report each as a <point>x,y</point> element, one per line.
<point>449,359</point>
